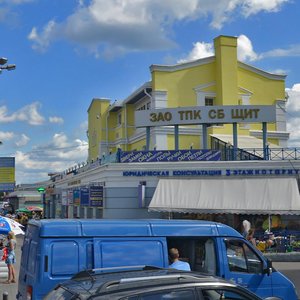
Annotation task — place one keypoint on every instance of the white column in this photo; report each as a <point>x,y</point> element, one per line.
<point>245,101</point>
<point>158,138</point>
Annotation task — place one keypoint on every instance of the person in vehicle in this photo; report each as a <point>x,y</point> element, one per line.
<point>176,263</point>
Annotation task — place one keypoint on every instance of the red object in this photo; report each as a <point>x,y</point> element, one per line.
<point>5,253</point>
<point>34,208</point>
<point>29,292</point>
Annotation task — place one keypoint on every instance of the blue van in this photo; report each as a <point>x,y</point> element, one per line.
<point>54,250</point>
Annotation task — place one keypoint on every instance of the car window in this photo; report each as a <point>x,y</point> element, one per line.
<point>199,253</point>
<point>220,294</point>
<point>241,258</point>
<point>64,258</point>
<point>182,294</point>
<point>60,294</point>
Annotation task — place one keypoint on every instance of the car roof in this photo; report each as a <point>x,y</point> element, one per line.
<point>105,281</point>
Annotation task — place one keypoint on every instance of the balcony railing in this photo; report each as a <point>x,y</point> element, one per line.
<point>262,154</point>
<point>227,153</point>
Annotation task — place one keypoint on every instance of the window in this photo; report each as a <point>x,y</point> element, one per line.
<point>209,101</point>
<point>199,253</point>
<point>119,119</point>
<point>142,252</point>
<point>181,294</point>
<point>217,294</point>
<point>144,106</point>
<point>32,257</point>
<point>241,258</point>
<point>64,258</point>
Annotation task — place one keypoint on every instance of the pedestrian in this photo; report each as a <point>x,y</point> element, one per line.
<point>250,237</point>
<point>24,221</point>
<point>11,257</point>
<point>176,263</point>
<point>246,225</point>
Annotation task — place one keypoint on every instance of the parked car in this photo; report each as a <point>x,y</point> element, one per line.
<point>147,283</point>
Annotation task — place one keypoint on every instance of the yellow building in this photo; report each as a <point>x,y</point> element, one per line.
<point>218,80</point>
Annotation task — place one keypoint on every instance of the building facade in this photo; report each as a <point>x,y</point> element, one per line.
<point>156,171</point>
<point>219,80</point>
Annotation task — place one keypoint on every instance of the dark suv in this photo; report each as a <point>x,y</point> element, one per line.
<point>147,283</point>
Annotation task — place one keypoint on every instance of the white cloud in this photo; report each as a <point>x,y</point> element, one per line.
<point>28,114</point>
<point>293,104</point>
<point>24,139</point>
<point>245,52</point>
<point>245,49</point>
<point>6,136</point>
<point>293,115</point>
<point>119,26</point>
<point>293,50</point>
<point>200,50</point>
<point>252,7</point>
<point>56,120</point>
<point>60,154</point>
<point>42,40</point>
<point>279,71</point>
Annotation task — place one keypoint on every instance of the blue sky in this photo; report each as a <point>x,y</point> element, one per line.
<point>69,52</point>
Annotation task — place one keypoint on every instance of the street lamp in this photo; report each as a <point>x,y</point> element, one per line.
<point>4,66</point>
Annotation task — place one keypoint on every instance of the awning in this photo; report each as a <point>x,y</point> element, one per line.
<point>237,196</point>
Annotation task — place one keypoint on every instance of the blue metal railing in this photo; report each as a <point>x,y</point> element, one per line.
<point>228,153</point>
<point>271,153</point>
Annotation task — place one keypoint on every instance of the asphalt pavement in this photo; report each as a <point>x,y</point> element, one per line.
<point>290,269</point>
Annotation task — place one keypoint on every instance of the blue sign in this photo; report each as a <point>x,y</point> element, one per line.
<point>96,195</point>
<point>215,172</point>
<point>7,187</point>
<point>84,196</point>
<point>7,162</point>
<point>7,174</point>
<point>170,155</point>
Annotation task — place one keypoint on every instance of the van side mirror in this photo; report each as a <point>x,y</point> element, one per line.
<point>269,269</point>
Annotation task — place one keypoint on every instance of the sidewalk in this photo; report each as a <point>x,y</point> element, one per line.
<point>284,257</point>
<point>12,288</point>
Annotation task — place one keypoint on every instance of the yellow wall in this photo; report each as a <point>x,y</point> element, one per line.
<point>96,124</point>
<point>185,141</point>
<point>222,75</point>
<point>180,84</point>
<point>226,70</point>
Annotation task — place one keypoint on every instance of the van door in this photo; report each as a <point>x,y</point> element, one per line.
<point>244,266</point>
<point>132,251</point>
